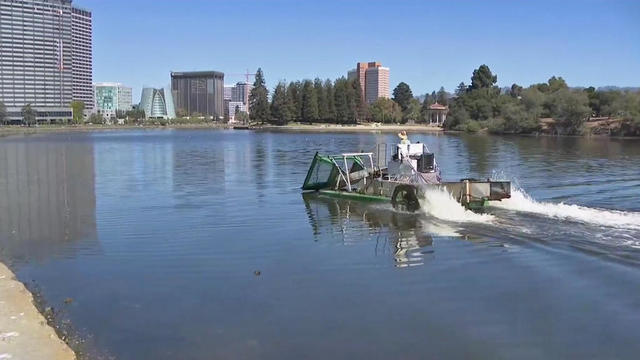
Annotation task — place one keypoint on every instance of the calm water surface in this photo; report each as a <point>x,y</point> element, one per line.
<point>156,236</point>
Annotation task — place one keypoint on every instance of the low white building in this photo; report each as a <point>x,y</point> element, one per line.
<point>232,109</point>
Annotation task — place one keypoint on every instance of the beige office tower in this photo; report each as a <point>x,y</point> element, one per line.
<point>376,84</point>
<point>374,80</point>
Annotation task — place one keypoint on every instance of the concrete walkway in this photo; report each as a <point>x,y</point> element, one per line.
<point>24,333</point>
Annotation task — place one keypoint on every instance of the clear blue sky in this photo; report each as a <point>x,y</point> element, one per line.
<point>426,44</point>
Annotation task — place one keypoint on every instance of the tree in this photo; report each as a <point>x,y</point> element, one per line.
<point>571,109</point>
<point>402,95</point>
<point>424,109</point>
<point>358,100</point>
<point>259,99</point>
<point>309,102</point>
<point>133,115</point>
<point>483,78</point>
<point>341,101</point>
<point>323,110</point>
<point>331,101</point>
<point>294,102</point>
<point>385,110</point>
<point>78,111</point>
<point>3,113</point>
<point>96,119</point>
<point>442,97</point>
<point>515,91</point>
<point>461,89</point>
<point>28,115</point>
<point>279,107</point>
<point>413,112</point>
<point>242,117</point>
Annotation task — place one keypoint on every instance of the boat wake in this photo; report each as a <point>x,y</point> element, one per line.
<point>521,201</point>
<point>440,204</point>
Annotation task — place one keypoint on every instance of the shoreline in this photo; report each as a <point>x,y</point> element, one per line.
<point>24,331</point>
<point>15,130</point>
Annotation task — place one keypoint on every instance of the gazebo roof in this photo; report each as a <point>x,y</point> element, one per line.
<point>437,106</point>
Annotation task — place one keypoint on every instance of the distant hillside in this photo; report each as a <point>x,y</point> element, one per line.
<point>618,88</point>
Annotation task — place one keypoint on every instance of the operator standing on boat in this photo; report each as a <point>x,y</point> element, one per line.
<point>404,139</point>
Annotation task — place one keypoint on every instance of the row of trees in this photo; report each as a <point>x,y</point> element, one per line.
<point>520,110</point>
<point>307,101</point>
<point>338,101</point>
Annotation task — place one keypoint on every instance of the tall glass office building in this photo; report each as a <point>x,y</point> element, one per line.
<point>200,92</point>
<point>45,57</point>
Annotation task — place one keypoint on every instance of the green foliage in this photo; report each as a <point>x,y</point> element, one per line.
<point>331,101</point>
<point>78,111</point>
<point>309,102</point>
<point>402,95</point>
<point>294,100</point>
<point>482,78</point>
<point>95,119</point>
<point>571,109</point>
<point>385,111</point>
<point>361,107</point>
<point>413,111</point>
<point>3,113</point>
<point>137,115</point>
<point>242,117</point>
<point>28,115</point>
<point>323,107</point>
<point>259,99</point>
<point>279,106</point>
<point>341,101</point>
<point>442,97</point>
<point>461,89</point>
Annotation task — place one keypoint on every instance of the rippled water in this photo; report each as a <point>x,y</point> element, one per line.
<point>199,245</point>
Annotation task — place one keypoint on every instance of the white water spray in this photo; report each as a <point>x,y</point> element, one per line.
<point>521,201</point>
<point>440,204</point>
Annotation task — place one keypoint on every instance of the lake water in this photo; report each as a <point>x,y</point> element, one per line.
<point>157,236</point>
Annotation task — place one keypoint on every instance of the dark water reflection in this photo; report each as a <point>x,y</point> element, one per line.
<point>156,235</point>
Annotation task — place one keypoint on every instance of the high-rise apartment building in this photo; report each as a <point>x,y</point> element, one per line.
<point>45,57</point>
<point>240,92</point>
<point>81,56</point>
<point>200,92</point>
<point>111,98</point>
<point>374,80</point>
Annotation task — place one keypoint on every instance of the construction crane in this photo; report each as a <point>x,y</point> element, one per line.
<point>246,75</point>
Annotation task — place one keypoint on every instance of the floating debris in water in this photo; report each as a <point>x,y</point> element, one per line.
<point>257,272</point>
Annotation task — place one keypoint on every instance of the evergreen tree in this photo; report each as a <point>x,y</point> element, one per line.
<point>402,95</point>
<point>442,97</point>
<point>352,105</point>
<point>279,106</point>
<point>461,89</point>
<point>341,101</point>
<point>424,109</point>
<point>331,101</point>
<point>361,105</point>
<point>293,105</point>
<point>259,99</point>
<point>309,102</point>
<point>323,110</point>
<point>483,78</point>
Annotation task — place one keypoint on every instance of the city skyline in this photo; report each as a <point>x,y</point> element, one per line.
<point>426,45</point>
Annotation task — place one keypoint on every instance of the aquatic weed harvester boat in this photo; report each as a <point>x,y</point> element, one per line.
<point>403,180</point>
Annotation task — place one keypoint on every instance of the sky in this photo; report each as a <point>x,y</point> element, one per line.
<point>426,44</point>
